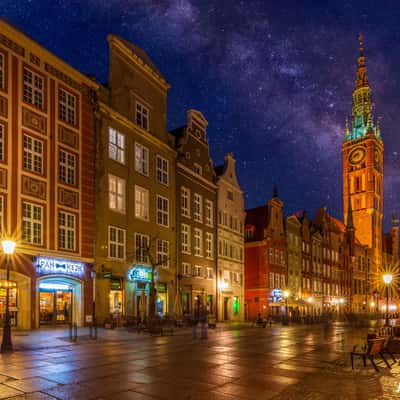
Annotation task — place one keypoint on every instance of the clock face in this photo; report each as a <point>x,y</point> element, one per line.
<point>357,155</point>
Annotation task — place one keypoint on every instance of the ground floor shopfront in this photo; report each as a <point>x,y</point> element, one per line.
<point>47,291</point>
<point>230,304</point>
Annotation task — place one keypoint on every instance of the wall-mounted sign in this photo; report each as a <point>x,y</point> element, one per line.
<point>47,265</point>
<point>139,273</point>
<point>276,295</point>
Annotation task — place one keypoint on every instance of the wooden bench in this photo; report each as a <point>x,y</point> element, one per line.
<point>373,348</point>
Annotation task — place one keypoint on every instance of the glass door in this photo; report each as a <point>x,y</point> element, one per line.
<point>55,307</point>
<point>12,302</point>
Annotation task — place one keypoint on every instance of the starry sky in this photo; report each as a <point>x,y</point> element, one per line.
<point>273,78</point>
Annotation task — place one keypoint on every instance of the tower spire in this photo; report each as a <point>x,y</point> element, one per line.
<point>362,79</point>
<point>349,222</point>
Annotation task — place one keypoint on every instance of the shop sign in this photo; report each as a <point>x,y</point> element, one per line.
<point>115,284</point>
<point>276,295</point>
<point>139,273</point>
<point>47,265</point>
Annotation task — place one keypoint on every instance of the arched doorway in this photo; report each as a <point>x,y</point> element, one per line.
<point>60,300</point>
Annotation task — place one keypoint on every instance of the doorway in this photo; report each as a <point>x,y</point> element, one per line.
<point>226,308</point>
<point>55,305</point>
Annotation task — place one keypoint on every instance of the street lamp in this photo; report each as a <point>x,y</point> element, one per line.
<point>387,279</point>
<point>6,344</point>
<point>286,295</point>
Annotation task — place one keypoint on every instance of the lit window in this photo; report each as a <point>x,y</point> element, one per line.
<point>162,253</point>
<point>141,159</point>
<point>185,202</point>
<point>66,231</point>
<point>116,193</point>
<point>141,248</point>
<point>141,203</point>
<point>185,269</point>
<point>33,154</point>
<point>198,242</point>
<point>197,271</point>
<point>210,273</point>
<point>33,88</point>
<point>1,214</point>
<point>209,245</point>
<point>209,213</point>
<point>2,134</point>
<point>142,116</point>
<point>2,71</point>
<point>32,223</point>
<point>198,208</point>
<point>185,238</point>
<point>67,107</point>
<point>116,243</point>
<point>162,211</point>
<point>162,170</point>
<point>116,145</point>
<point>67,167</point>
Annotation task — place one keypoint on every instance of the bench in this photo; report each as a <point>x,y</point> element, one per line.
<point>373,348</point>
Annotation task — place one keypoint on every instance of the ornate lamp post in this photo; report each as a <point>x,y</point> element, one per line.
<point>6,344</point>
<point>387,279</point>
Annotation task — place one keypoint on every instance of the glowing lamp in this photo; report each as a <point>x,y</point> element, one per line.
<point>286,294</point>
<point>8,246</point>
<point>387,278</point>
<point>372,304</point>
<point>341,301</point>
<point>310,299</point>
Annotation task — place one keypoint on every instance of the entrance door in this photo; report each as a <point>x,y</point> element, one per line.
<point>226,304</point>
<point>55,306</point>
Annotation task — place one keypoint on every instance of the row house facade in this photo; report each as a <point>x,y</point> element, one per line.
<point>230,266</point>
<point>135,187</point>
<point>46,184</point>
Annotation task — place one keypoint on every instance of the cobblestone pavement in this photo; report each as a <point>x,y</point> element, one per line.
<point>237,362</point>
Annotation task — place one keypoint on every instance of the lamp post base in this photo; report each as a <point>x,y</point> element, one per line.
<point>6,344</point>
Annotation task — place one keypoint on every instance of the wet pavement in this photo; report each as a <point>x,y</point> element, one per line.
<point>236,362</point>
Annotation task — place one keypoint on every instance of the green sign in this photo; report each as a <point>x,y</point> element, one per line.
<point>107,275</point>
<point>115,284</point>
<point>235,306</point>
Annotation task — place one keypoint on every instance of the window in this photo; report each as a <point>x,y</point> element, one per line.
<point>67,172</point>
<point>141,247</point>
<point>1,215</point>
<point>33,88</point>
<point>209,212</point>
<point>33,154</point>
<point>185,238</point>
<point>116,145</point>
<point>163,253</point>
<point>66,107</point>
<point>198,208</point>
<point>197,168</point>
<point>210,273</point>
<point>271,280</point>
<point>162,211</point>
<point>185,202</point>
<point>162,170</point>
<point>32,223</point>
<point>197,242</point>
<point>142,116</point>
<point>235,277</point>
<point>141,159</point>
<point>116,193</point>
<point>141,203</point>
<point>116,243</point>
<point>2,133</point>
<point>66,231</point>
<point>185,269</point>
<point>271,255</point>
<point>209,245</point>
<point>197,271</point>
<point>2,71</point>
<point>230,195</point>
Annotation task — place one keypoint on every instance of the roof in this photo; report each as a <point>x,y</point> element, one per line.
<point>258,217</point>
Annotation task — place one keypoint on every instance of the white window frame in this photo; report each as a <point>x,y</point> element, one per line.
<point>185,202</point>
<point>2,141</point>
<point>162,211</point>
<point>67,102</point>
<point>209,245</point>
<point>32,224</point>
<point>142,157</point>
<point>198,207</point>
<point>209,212</point>
<point>197,271</point>
<point>141,242</point>
<point>2,71</point>
<point>116,247</point>
<point>33,154</point>
<point>197,242</point>
<point>210,273</point>
<point>116,145</point>
<point>116,194</point>
<point>163,253</point>
<point>66,231</point>
<point>185,239</point>
<point>142,116</point>
<point>33,88</point>
<point>1,215</point>
<point>142,203</point>
<point>67,167</point>
<point>186,269</point>
<point>162,170</point>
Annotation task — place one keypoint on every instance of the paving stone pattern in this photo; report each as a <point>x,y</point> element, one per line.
<point>236,362</point>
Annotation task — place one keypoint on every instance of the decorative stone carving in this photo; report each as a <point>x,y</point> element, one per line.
<point>34,59</point>
<point>68,198</point>
<point>34,121</point>
<point>12,45</point>
<point>3,178</point>
<point>68,137</point>
<point>33,187</point>
<point>62,77</point>
<point>3,107</point>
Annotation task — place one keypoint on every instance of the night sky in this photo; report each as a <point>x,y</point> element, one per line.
<point>273,78</point>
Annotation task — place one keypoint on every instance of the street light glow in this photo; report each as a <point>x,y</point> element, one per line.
<point>8,246</point>
<point>387,278</point>
<point>285,294</point>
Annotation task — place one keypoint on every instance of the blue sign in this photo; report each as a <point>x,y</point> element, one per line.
<point>276,295</point>
<point>140,273</point>
<point>47,265</point>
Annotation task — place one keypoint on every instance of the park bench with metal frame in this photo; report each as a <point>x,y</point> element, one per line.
<point>373,348</point>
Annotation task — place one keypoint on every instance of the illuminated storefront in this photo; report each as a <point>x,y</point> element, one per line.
<point>12,298</point>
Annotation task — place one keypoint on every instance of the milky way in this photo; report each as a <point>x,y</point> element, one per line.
<point>273,78</point>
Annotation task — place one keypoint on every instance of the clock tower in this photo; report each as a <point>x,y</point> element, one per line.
<point>362,153</point>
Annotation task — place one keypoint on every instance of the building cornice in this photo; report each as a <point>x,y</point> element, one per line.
<point>196,177</point>
<point>39,252</point>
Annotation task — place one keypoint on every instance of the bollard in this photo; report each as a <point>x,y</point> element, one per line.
<point>70,331</point>
<point>95,332</point>
<point>75,332</point>
<point>91,330</point>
